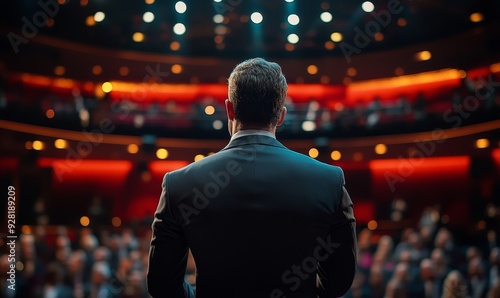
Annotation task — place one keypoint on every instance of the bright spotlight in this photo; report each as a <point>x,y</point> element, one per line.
<point>179,29</point>
<point>218,18</point>
<point>293,19</point>
<point>367,6</point>
<point>293,38</point>
<point>336,37</point>
<point>99,16</point>
<point>180,7</point>
<point>326,17</point>
<point>148,17</point>
<point>256,17</point>
<point>217,125</point>
<point>308,125</point>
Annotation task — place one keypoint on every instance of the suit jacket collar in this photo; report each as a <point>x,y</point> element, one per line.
<point>254,139</point>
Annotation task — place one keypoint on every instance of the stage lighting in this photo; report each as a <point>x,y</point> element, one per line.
<point>217,125</point>
<point>423,56</point>
<point>336,37</point>
<point>38,145</point>
<point>313,152</point>
<point>133,148</point>
<point>209,110</point>
<point>162,153</point>
<point>368,6</point>
<point>308,125</point>
<point>336,155</point>
<point>218,18</point>
<point>148,17</point>
<point>176,69</point>
<point>99,16</point>
<point>179,29</point>
<point>312,69</point>
<point>293,19</point>
<point>107,87</point>
<point>476,17</point>
<point>138,37</point>
<point>326,17</point>
<point>380,149</point>
<point>180,7</point>
<point>256,17</point>
<point>293,38</point>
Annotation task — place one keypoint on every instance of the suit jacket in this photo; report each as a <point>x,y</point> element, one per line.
<point>261,221</point>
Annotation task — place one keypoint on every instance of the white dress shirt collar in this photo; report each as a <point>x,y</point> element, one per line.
<point>249,132</point>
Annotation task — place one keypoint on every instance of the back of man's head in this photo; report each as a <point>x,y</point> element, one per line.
<point>257,89</point>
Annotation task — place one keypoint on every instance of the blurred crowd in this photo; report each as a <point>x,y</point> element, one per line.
<point>400,114</point>
<point>425,260</point>
<point>63,265</point>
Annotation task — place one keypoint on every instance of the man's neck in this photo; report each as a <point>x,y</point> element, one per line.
<point>248,132</point>
<point>240,127</point>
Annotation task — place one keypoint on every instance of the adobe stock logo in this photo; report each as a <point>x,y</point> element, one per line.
<point>363,38</point>
<point>29,28</point>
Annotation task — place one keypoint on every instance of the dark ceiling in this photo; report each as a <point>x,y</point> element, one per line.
<point>424,21</point>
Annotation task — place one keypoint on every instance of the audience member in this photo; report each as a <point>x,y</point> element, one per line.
<point>454,286</point>
<point>396,265</point>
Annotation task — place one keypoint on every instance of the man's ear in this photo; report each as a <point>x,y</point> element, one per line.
<point>229,109</point>
<point>282,117</point>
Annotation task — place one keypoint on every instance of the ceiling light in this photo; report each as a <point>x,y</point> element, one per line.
<point>326,17</point>
<point>256,17</point>
<point>99,16</point>
<point>367,6</point>
<point>179,29</point>
<point>293,38</point>
<point>148,17</point>
<point>293,19</point>
<point>180,7</point>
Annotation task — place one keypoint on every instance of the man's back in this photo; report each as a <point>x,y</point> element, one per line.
<point>257,218</point>
<point>261,220</point>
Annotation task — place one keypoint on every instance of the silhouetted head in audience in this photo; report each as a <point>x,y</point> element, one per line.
<point>53,274</point>
<point>443,239</point>
<point>440,261</point>
<point>476,268</point>
<point>376,278</point>
<point>397,286</point>
<point>101,273</point>
<point>385,243</point>
<point>405,234</point>
<point>89,242</point>
<point>494,291</point>
<point>401,272</point>
<point>454,285</point>
<point>101,254</point>
<point>256,96</point>
<point>495,256</point>
<point>471,253</point>
<point>115,242</point>
<point>427,269</point>
<point>364,240</point>
<point>77,261</point>
<point>27,247</point>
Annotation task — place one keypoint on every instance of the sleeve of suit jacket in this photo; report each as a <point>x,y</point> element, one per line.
<point>336,273</point>
<point>168,253</point>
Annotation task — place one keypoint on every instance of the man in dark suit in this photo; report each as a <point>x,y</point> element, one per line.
<point>260,219</point>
